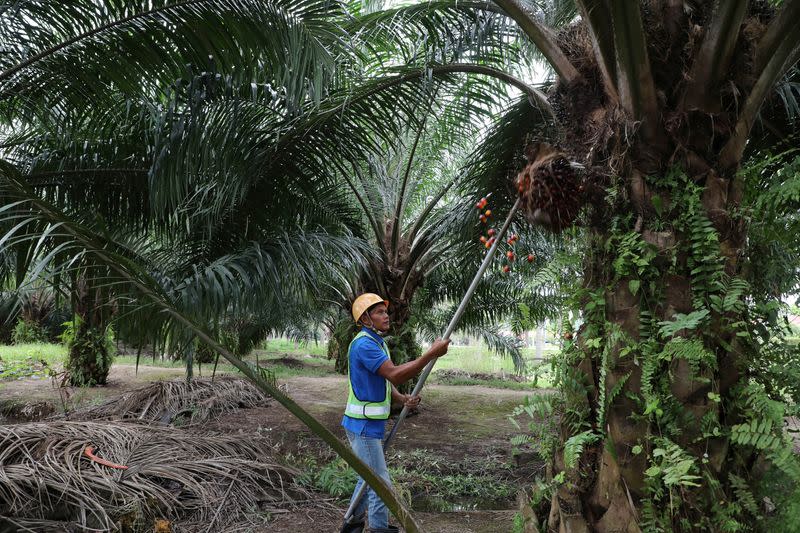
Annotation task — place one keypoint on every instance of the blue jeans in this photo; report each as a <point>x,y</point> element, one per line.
<point>370,450</point>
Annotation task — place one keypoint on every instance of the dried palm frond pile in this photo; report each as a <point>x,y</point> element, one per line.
<point>179,401</point>
<point>196,481</point>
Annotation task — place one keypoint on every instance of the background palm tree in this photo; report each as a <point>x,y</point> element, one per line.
<point>416,206</point>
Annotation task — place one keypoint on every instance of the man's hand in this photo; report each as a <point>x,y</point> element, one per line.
<point>412,402</point>
<point>439,347</point>
<point>398,374</point>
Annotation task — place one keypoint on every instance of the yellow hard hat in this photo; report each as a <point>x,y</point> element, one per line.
<point>364,302</point>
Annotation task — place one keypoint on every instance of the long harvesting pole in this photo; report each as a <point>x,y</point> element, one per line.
<point>449,331</point>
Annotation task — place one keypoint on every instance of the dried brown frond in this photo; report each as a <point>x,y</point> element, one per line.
<point>179,401</point>
<point>194,480</point>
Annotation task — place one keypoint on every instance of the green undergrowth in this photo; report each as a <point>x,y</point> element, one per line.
<point>38,359</point>
<point>779,500</point>
<point>518,525</point>
<point>497,383</point>
<point>486,482</point>
<point>35,360</point>
<point>335,478</point>
<point>442,483</point>
<point>286,346</point>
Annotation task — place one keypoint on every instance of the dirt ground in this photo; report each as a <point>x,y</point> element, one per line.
<point>455,422</point>
<point>457,522</point>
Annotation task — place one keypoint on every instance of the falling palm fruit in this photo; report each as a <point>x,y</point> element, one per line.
<point>568,336</point>
<point>531,258</point>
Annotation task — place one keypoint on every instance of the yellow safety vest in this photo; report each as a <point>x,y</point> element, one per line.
<point>367,410</point>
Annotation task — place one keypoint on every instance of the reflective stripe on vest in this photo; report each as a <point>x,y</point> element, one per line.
<point>367,410</point>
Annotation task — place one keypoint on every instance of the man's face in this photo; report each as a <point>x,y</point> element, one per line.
<point>380,317</point>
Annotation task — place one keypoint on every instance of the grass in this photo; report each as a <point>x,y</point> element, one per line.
<point>22,361</point>
<point>478,359</point>
<point>50,353</point>
<point>475,359</point>
<point>493,383</point>
<point>285,346</point>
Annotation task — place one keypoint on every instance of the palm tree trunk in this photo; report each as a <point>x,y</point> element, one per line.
<point>90,350</point>
<point>641,394</point>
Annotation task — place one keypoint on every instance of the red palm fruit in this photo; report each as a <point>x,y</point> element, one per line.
<point>488,244</point>
<point>482,239</point>
<point>483,219</point>
<point>491,232</point>
<point>488,212</point>
<point>478,206</point>
<point>506,269</point>
<point>510,255</point>
<point>531,257</point>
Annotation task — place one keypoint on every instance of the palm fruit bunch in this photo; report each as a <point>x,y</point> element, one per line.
<point>549,187</point>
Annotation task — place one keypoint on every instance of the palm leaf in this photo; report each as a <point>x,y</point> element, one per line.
<point>128,278</point>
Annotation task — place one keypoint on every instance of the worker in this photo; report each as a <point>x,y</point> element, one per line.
<point>372,378</point>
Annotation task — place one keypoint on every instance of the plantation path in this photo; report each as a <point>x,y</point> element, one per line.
<point>456,423</point>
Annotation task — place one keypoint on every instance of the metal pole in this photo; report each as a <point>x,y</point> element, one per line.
<point>449,331</point>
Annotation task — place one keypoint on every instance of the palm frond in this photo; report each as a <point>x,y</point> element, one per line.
<point>634,79</point>
<point>136,288</point>
<point>49,42</point>
<point>193,402</point>
<point>48,477</point>
<point>542,36</point>
<point>713,57</point>
<point>598,19</point>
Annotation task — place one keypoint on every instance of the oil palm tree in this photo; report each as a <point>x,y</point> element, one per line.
<point>416,210</point>
<point>657,101</point>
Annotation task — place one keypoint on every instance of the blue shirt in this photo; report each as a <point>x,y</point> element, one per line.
<point>366,356</point>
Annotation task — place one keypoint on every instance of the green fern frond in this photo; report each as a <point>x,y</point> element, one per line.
<point>743,494</point>
<point>575,445</point>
